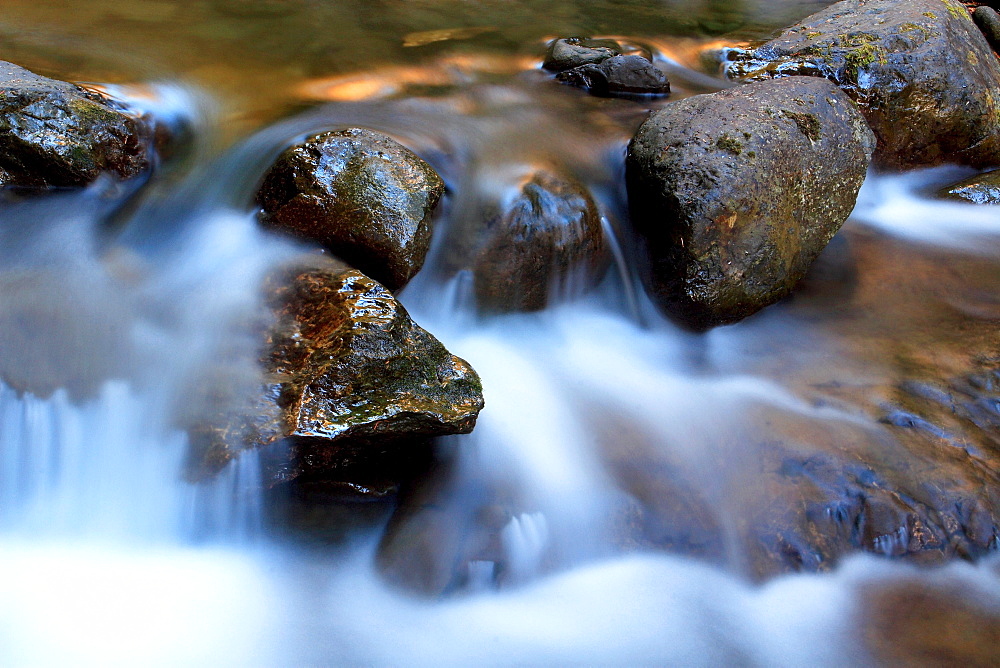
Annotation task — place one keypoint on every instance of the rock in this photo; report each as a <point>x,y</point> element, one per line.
<point>737,192</point>
<point>919,70</point>
<point>565,54</point>
<point>56,134</point>
<point>619,76</point>
<point>549,234</point>
<point>979,189</point>
<point>989,22</point>
<point>363,196</point>
<point>349,377</point>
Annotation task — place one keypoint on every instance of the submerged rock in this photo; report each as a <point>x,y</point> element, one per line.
<point>349,377</point>
<point>547,236</point>
<point>619,76</point>
<point>915,623</point>
<point>565,54</point>
<point>979,189</point>
<point>363,196</point>
<point>919,70</point>
<point>56,134</point>
<point>737,192</point>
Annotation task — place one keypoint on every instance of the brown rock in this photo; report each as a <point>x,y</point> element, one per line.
<point>363,196</point>
<point>349,378</point>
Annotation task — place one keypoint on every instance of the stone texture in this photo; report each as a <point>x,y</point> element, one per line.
<point>737,192</point>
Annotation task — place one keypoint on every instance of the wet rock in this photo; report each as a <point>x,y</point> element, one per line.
<point>919,70</point>
<point>619,76</point>
<point>737,192</point>
<point>349,379</point>
<point>362,195</point>
<point>989,22</point>
<point>979,189</point>
<point>545,238</point>
<point>571,52</point>
<point>55,134</point>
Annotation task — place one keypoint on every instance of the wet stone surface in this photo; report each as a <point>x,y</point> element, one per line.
<point>56,134</point>
<point>980,189</point>
<point>350,379</point>
<point>362,195</point>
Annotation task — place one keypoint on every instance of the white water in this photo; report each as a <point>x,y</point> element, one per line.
<point>108,558</point>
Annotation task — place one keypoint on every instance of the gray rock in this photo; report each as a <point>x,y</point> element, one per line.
<point>55,134</point>
<point>565,54</point>
<point>919,70</point>
<point>363,196</point>
<point>737,192</point>
<point>619,76</point>
<point>979,189</point>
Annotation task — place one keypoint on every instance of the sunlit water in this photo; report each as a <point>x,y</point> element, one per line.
<point>114,316</point>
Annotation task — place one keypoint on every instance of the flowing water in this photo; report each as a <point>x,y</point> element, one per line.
<point>601,416</point>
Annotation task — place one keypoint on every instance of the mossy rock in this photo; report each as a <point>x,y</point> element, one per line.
<point>737,192</point>
<point>55,134</point>
<point>920,71</point>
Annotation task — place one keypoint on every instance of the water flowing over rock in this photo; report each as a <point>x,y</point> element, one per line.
<point>363,196</point>
<point>56,134</point>
<point>547,236</point>
<point>979,189</point>
<point>737,192</point>
<point>919,70</point>
<point>349,377</point>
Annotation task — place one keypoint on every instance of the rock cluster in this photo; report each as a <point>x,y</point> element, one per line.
<point>602,67</point>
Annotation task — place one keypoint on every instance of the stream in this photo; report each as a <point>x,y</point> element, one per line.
<point>635,461</point>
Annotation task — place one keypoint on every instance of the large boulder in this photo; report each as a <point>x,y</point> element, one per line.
<point>362,195</point>
<point>919,70</point>
<point>737,192</point>
<point>538,242</point>
<point>56,134</point>
<point>348,376</point>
